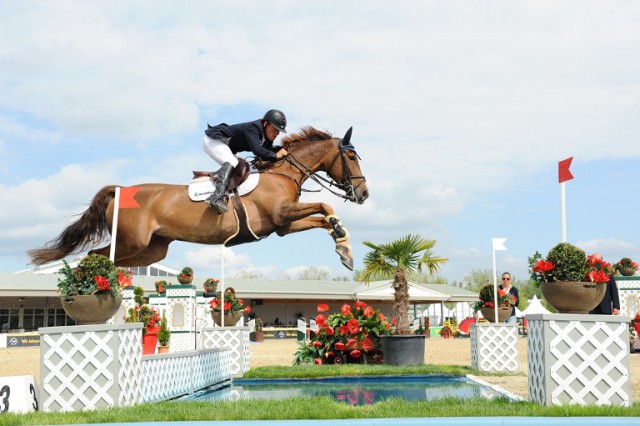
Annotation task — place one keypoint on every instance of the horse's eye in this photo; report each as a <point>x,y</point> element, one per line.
<point>352,157</point>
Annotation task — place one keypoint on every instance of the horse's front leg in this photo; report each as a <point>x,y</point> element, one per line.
<point>297,217</point>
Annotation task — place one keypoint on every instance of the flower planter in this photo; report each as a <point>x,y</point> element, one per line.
<point>403,350</point>
<point>185,280</point>
<point>163,349</point>
<point>160,289</point>
<point>92,308</point>
<point>258,336</point>
<point>627,271</point>
<point>150,340</point>
<point>210,289</point>
<point>230,319</point>
<point>504,312</point>
<point>572,297</point>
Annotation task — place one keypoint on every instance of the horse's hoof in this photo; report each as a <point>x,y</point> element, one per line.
<point>345,256</point>
<point>348,263</point>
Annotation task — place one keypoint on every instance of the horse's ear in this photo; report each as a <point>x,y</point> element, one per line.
<point>347,137</point>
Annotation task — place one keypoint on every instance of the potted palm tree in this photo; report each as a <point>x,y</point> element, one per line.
<point>397,259</point>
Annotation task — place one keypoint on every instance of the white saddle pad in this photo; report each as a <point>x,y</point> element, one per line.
<point>200,188</point>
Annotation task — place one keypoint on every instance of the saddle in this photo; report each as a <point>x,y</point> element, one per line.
<point>240,174</point>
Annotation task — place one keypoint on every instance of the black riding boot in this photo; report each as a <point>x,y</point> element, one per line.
<point>216,199</point>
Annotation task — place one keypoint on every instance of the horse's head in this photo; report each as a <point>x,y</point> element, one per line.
<point>347,173</point>
<point>313,150</point>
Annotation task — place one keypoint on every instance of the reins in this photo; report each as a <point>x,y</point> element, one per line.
<point>327,183</point>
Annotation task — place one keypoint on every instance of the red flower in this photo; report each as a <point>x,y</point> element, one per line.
<point>598,277</point>
<point>345,310</point>
<point>352,344</point>
<point>227,306</point>
<point>321,320</point>
<point>329,331</point>
<point>124,279</point>
<point>369,312</point>
<point>323,307</point>
<point>343,330</point>
<point>367,344</point>
<point>543,266</point>
<point>394,321</point>
<point>214,304</point>
<point>247,309</point>
<point>103,283</point>
<point>355,353</point>
<point>340,346</point>
<point>317,344</point>
<point>360,305</point>
<point>317,361</point>
<point>353,325</point>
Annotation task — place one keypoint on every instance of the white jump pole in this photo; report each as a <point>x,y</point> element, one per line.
<point>222,282</point>
<point>114,225</point>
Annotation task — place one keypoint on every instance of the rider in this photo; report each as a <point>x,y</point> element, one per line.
<point>221,142</point>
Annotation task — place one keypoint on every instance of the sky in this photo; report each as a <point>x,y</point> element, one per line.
<point>461,112</point>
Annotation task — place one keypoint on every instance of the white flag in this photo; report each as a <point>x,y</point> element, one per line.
<point>498,243</point>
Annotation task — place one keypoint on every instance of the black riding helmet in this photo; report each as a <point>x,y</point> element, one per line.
<point>277,119</point>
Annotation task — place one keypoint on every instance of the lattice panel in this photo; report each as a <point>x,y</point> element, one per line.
<point>168,377</point>
<point>80,367</point>
<point>494,347</point>
<point>129,356</point>
<point>585,360</point>
<point>237,338</point>
<point>535,359</point>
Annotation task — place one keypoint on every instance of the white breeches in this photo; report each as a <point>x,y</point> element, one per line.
<point>219,151</point>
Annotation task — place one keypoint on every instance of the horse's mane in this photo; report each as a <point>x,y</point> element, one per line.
<point>295,141</point>
<point>306,134</point>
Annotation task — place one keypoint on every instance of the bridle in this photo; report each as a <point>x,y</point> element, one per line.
<point>346,184</point>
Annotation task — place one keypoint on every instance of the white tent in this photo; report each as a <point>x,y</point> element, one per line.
<point>535,307</point>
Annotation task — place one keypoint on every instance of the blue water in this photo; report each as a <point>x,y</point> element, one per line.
<point>352,390</point>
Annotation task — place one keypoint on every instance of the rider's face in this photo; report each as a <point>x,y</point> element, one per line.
<point>271,132</point>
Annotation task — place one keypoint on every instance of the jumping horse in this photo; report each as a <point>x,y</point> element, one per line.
<point>166,213</point>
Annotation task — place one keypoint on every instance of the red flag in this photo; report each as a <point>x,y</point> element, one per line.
<point>126,198</point>
<point>564,174</point>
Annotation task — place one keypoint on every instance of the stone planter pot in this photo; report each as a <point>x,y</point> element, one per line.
<point>210,289</point>
<point>163,349</point>
<point>403,350</point>
<point>572,297</point>
<point>504,312</point>
<point>92,308</point>
<point>627,272</point>
<point>230,319</point>
<point>185,280</point>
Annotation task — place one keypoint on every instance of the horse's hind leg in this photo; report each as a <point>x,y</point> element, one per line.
<point>155,251</point>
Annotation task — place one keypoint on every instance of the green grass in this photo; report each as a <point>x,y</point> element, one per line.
<point>322,407</point>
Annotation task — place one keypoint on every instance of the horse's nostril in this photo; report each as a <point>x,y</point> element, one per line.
<point>365,195</point>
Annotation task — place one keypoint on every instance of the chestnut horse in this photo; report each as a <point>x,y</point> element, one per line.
<point>167,214</point>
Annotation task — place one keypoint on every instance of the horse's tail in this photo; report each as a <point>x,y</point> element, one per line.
<point>87,231</point>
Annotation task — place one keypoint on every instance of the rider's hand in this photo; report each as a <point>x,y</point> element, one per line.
<point>282,153</point>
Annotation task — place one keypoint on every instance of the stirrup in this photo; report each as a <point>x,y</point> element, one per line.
<point>219,206</point>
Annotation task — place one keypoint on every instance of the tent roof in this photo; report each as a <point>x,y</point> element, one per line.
<point>535,307</point>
